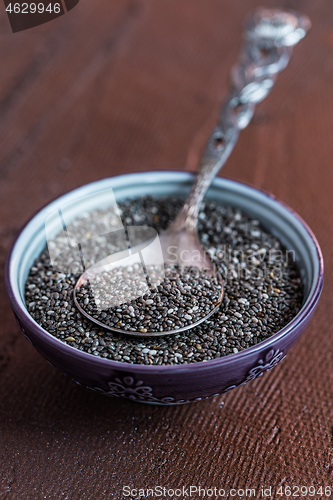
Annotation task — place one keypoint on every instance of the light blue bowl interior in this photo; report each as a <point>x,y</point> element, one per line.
<point>274,217</point>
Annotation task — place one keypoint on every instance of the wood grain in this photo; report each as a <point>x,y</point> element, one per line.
<point>135,85</point>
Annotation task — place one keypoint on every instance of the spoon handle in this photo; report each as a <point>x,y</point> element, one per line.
<point>269,36</point>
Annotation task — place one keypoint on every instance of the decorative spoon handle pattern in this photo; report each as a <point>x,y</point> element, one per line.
<point>269,36</point>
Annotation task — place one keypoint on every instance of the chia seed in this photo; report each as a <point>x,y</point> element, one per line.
<point>182,289</point>
<point>262,293</point>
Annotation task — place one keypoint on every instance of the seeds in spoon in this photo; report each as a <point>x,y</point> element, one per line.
<point>184,297</point>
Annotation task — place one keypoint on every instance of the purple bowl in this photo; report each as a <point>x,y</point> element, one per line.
<point>171,384</point>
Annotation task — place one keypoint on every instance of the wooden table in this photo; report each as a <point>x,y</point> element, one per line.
<point>114,87</point>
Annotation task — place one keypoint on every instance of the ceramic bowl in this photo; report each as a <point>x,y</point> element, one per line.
<point>183,383</point>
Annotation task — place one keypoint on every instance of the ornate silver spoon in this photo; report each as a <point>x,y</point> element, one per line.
<point>269,37</point>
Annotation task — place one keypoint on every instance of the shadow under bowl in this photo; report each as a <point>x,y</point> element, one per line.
<point>171,384</point>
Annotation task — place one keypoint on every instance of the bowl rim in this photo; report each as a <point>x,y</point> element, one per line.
<point>302,316</point>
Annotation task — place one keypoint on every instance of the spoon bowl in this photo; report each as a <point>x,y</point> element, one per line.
<point>141,281</point>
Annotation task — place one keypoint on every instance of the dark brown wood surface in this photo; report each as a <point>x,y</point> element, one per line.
<point>136,85</point>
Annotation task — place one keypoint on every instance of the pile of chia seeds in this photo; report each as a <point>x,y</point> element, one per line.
<point>262,289</point>
<point>184,297</point>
